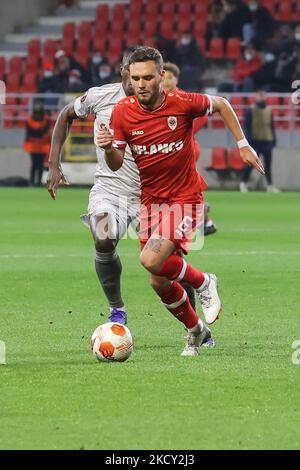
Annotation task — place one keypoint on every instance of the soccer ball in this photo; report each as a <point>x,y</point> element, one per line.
<point>112,342</point>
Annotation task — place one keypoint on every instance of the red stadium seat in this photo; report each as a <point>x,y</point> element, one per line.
<point>2,66</point>
<point>297,12</point>
<point>200,27</point>
<point>29,83</point>
<point>15,65</point>
<point>219,159</point>
<point>251,100</point>
<point>167,29</point>
<point>201,10</point>
<point>216,49</point>
<point>151,10</point>
<point>237,101</point>
<point>148,41</point>
<point>85,31</point>
<point>135,10</point>
<point>233,49</point>
<point>133,34</point>
<point>184,24</point>
<point>32,64</point>
<point>115,50</point>
<point>168,10</point>
<point>34,47</point>
<point>184,8</point>
<point>150,27</point>
<point>12,86</point>
<point>285,113</point>
<point>82,58</point>
<point>9,118</point>
<point>102,13</point>
<point>273,101</point>
<point>100,43</point>
<point>67,45</point>
<point>271,5</point>
<point>83,46</point>
<point>277,118</point>
<point>235,161</point>
<point>69,30</point>
<point>101,27</point>
<point>118,17</point>
<point>50,47</point>
<point>49,60</point>
<point>285,11</point>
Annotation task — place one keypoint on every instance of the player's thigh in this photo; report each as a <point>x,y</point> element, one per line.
<point>155,252</point>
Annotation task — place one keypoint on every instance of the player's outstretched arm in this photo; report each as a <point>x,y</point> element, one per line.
<point>113,157</point>
<point>248,154</point>
<point>59,135</point>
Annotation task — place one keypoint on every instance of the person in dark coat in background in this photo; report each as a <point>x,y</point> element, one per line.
<point>260,132</point>
<point>37,141</point>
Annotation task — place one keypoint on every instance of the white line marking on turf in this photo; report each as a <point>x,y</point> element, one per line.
<point>124,255</point>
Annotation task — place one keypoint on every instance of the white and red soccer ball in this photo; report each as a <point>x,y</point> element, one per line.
<point>112,342</point>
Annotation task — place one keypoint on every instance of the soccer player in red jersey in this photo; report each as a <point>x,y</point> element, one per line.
<point>158,127</point>
<point>171,78</point>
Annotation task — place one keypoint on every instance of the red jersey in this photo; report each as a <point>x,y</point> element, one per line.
<point>161,142</point>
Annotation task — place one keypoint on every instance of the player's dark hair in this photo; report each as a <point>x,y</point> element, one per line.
<point>144,54</point>
<point>170,67</point>
<point>126,56</point>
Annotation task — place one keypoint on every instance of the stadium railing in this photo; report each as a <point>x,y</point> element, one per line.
<point>80,145</point>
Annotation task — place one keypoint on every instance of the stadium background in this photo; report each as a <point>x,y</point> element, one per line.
<point>86,28</point>
<point>242,395</point>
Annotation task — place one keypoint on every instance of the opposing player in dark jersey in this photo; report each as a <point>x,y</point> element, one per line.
<point>158,127</point>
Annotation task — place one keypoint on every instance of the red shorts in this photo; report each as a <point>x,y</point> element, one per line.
<point>172,220</point>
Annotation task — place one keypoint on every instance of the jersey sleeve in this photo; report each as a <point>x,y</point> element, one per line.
<point>199,105</point>
<point>116,126</point>
<point>84,105</point>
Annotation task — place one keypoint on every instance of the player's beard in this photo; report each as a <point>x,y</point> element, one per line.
<point>150,99</point>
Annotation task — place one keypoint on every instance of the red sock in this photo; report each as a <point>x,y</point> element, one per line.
<point>177,268</point>
<point>177,302</point>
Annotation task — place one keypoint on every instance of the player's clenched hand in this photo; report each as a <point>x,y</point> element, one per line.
<point>105,139</point>
<point>55,176</point>
<point>250,157</point>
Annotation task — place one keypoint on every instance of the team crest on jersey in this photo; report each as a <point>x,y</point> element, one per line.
<point>172,122</point>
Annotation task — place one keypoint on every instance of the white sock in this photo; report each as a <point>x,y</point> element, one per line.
<point>205,283</point>
<point>118,308</point>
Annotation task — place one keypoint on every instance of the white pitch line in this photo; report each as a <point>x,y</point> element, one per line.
<point>124,255</point>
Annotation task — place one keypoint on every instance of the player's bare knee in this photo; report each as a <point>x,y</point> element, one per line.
<point>104,232</point>
<point>151,263</point>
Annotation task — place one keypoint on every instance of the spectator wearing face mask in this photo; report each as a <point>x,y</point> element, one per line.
<point>243,73</point>
<point>263,24</point>
<point>75,84</point>
<point>191,62</point>
<point>96,60</point>
<point>285,72</point>
<point>105,73</point>
<point>260,132</point>
<point>245,68</point>
<point>64,64</point>
<point>237,18</point>
<point>264,78</point>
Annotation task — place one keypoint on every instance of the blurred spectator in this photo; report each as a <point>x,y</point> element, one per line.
<point>167,47</point>
<point>243,72</point>
<point>93,68</point>
<point>236,21</point>
<point>260,132</point>
<point>263,79</point>
<point>48,84</point>
<point>284,39</point>
<point>284,72</point>
<point>37,141</point>
<point>190,61</point>
<point>263,24</point>
<point>75,84</point>
<point>216,16</point>
<point>64,64</point>
<point>105,73</point>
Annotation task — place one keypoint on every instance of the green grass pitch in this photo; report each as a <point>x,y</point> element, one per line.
<point>244,394</point>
